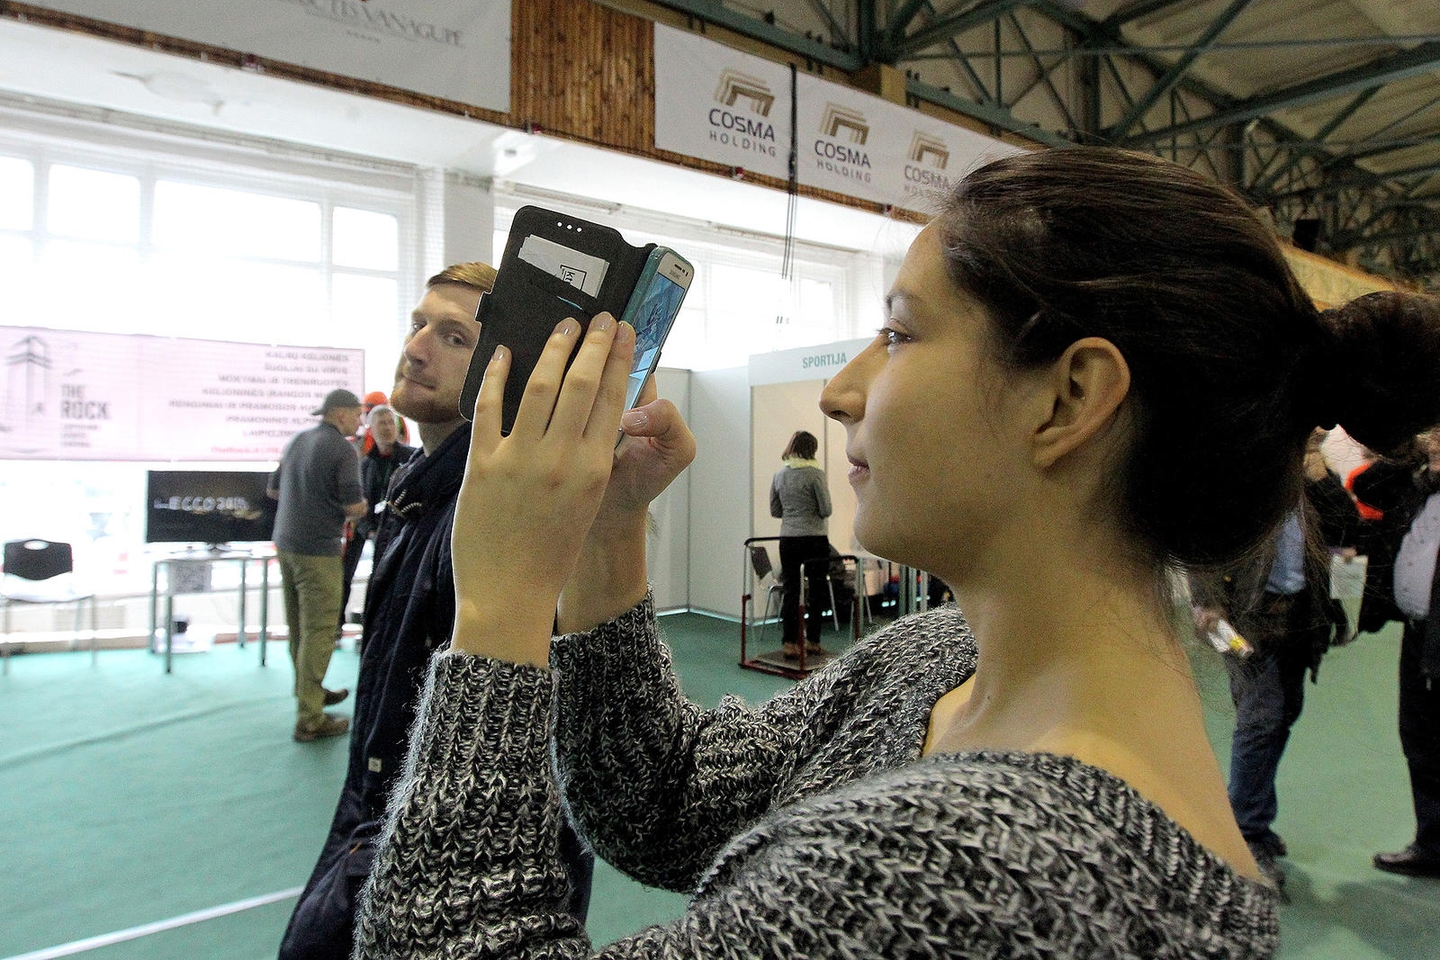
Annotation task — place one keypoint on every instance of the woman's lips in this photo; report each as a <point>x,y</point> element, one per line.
<point>859,470</point>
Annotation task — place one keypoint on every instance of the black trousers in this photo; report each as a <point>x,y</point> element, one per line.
<point>794,551</point>
<point>1420,739</point>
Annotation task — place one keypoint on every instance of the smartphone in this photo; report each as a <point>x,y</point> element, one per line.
<point>652,310</point>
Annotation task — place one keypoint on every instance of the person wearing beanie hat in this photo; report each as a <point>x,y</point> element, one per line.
<point>364,441</point>
<point>318,488</point>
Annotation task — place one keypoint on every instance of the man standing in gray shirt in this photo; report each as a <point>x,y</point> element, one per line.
<point>318,486</point>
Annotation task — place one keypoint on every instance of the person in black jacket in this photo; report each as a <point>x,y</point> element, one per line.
<point>384,455</point>
<point>1405,587</point>
<point>1279,601</point>
<point>409,613</point>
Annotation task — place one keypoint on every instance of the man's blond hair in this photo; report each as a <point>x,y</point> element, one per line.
<point>480,276</point>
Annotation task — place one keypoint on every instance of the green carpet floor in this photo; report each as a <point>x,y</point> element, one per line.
<point>131,797</point>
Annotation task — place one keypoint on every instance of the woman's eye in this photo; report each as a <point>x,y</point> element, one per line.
<point>893,337</point>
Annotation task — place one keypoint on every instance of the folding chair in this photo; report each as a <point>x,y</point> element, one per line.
<point>766,578</point>
<point>42,571</point>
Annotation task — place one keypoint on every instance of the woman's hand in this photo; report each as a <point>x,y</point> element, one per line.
<point>528,499</point>
<point>656,448</point>
<point>610,576</point>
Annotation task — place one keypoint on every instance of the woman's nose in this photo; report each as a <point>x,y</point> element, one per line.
<point>843,398</point>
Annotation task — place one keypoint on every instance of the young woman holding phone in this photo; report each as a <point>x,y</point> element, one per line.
<point>1095,368</point>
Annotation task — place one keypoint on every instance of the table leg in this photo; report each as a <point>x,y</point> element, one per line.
<point>154,602</point>
<point>169,625</point>
<point>240,634</point>
<point>264,607</point>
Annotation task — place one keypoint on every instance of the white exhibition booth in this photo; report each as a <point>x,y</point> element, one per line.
<point>742,419</point>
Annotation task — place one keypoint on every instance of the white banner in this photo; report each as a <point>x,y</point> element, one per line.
<point>455,49</point>
<point>729,107</point>
<point>862,146</point>
<point>721,105</point>
<point>72,395</point>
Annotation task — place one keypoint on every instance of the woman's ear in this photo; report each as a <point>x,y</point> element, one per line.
<point>1086,384</point>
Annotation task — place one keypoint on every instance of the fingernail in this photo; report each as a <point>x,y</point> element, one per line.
<point>626,332</point>
<point>568,328</point>
<point>603,322</point>
<point>498,355</point>
<point>634,420</point>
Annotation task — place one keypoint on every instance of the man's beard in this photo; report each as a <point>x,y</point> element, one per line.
<point>428,407</point>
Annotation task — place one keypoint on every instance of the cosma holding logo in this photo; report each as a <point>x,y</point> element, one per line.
<point>738,92</point>
<point>927,159</point>
<point>843,159</point>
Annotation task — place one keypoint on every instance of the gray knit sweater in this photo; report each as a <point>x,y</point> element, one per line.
<point>808,827</point>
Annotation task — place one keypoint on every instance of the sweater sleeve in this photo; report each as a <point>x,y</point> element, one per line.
<point>654,782</point>
<point>948,859</point>
<point>822,495</point>
<point>777,506</point>
<point>469,864</point>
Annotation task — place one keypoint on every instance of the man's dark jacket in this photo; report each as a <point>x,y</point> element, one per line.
<point>409,612</point>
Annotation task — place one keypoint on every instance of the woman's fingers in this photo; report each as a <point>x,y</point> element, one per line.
<point>614,379</point>
<point>489,402</point>
<point>597,372</point>
<point>538,401</point>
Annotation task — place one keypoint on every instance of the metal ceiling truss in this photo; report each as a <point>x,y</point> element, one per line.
<point>1080,80</point>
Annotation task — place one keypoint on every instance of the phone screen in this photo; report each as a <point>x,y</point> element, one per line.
<point>652,322</point>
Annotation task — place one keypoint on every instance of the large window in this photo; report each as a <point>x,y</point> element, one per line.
<point>198,242</point>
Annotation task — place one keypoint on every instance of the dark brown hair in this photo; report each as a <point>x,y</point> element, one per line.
<point>1231,365</point>
<point>803,445</point>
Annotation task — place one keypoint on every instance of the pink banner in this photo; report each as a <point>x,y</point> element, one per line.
<point>73,395</point>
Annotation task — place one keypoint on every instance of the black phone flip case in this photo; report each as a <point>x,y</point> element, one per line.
<point>528,303</point>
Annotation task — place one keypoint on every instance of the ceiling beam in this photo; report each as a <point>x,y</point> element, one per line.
<point>895,29</point>
<point>837,31</point>
<point>995,116</point>
<point>713,11</point>
<point>1316,148</point>
<point>1363,182</point>
<point>948,27</point>
<point>1421,60</point>
<point>1137,10</point>
<point>1172,76</point>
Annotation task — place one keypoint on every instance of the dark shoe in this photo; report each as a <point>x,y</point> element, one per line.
<point>791,651</point>
<point>814,650</point>
<point>1272,843</point>
<point>330,726</point>
<point>333,697</point>
<point>1410,862</point>
<point>1265,860</point>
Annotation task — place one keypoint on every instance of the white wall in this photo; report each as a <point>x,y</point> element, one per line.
<point>719,488</point>
<point>668,546</point>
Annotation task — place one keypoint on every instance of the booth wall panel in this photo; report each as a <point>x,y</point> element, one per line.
<point>777,410</point>
<point>668,545</point>
<point>719,488</point>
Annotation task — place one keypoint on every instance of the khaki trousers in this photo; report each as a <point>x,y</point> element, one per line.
<point>311,588</point>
